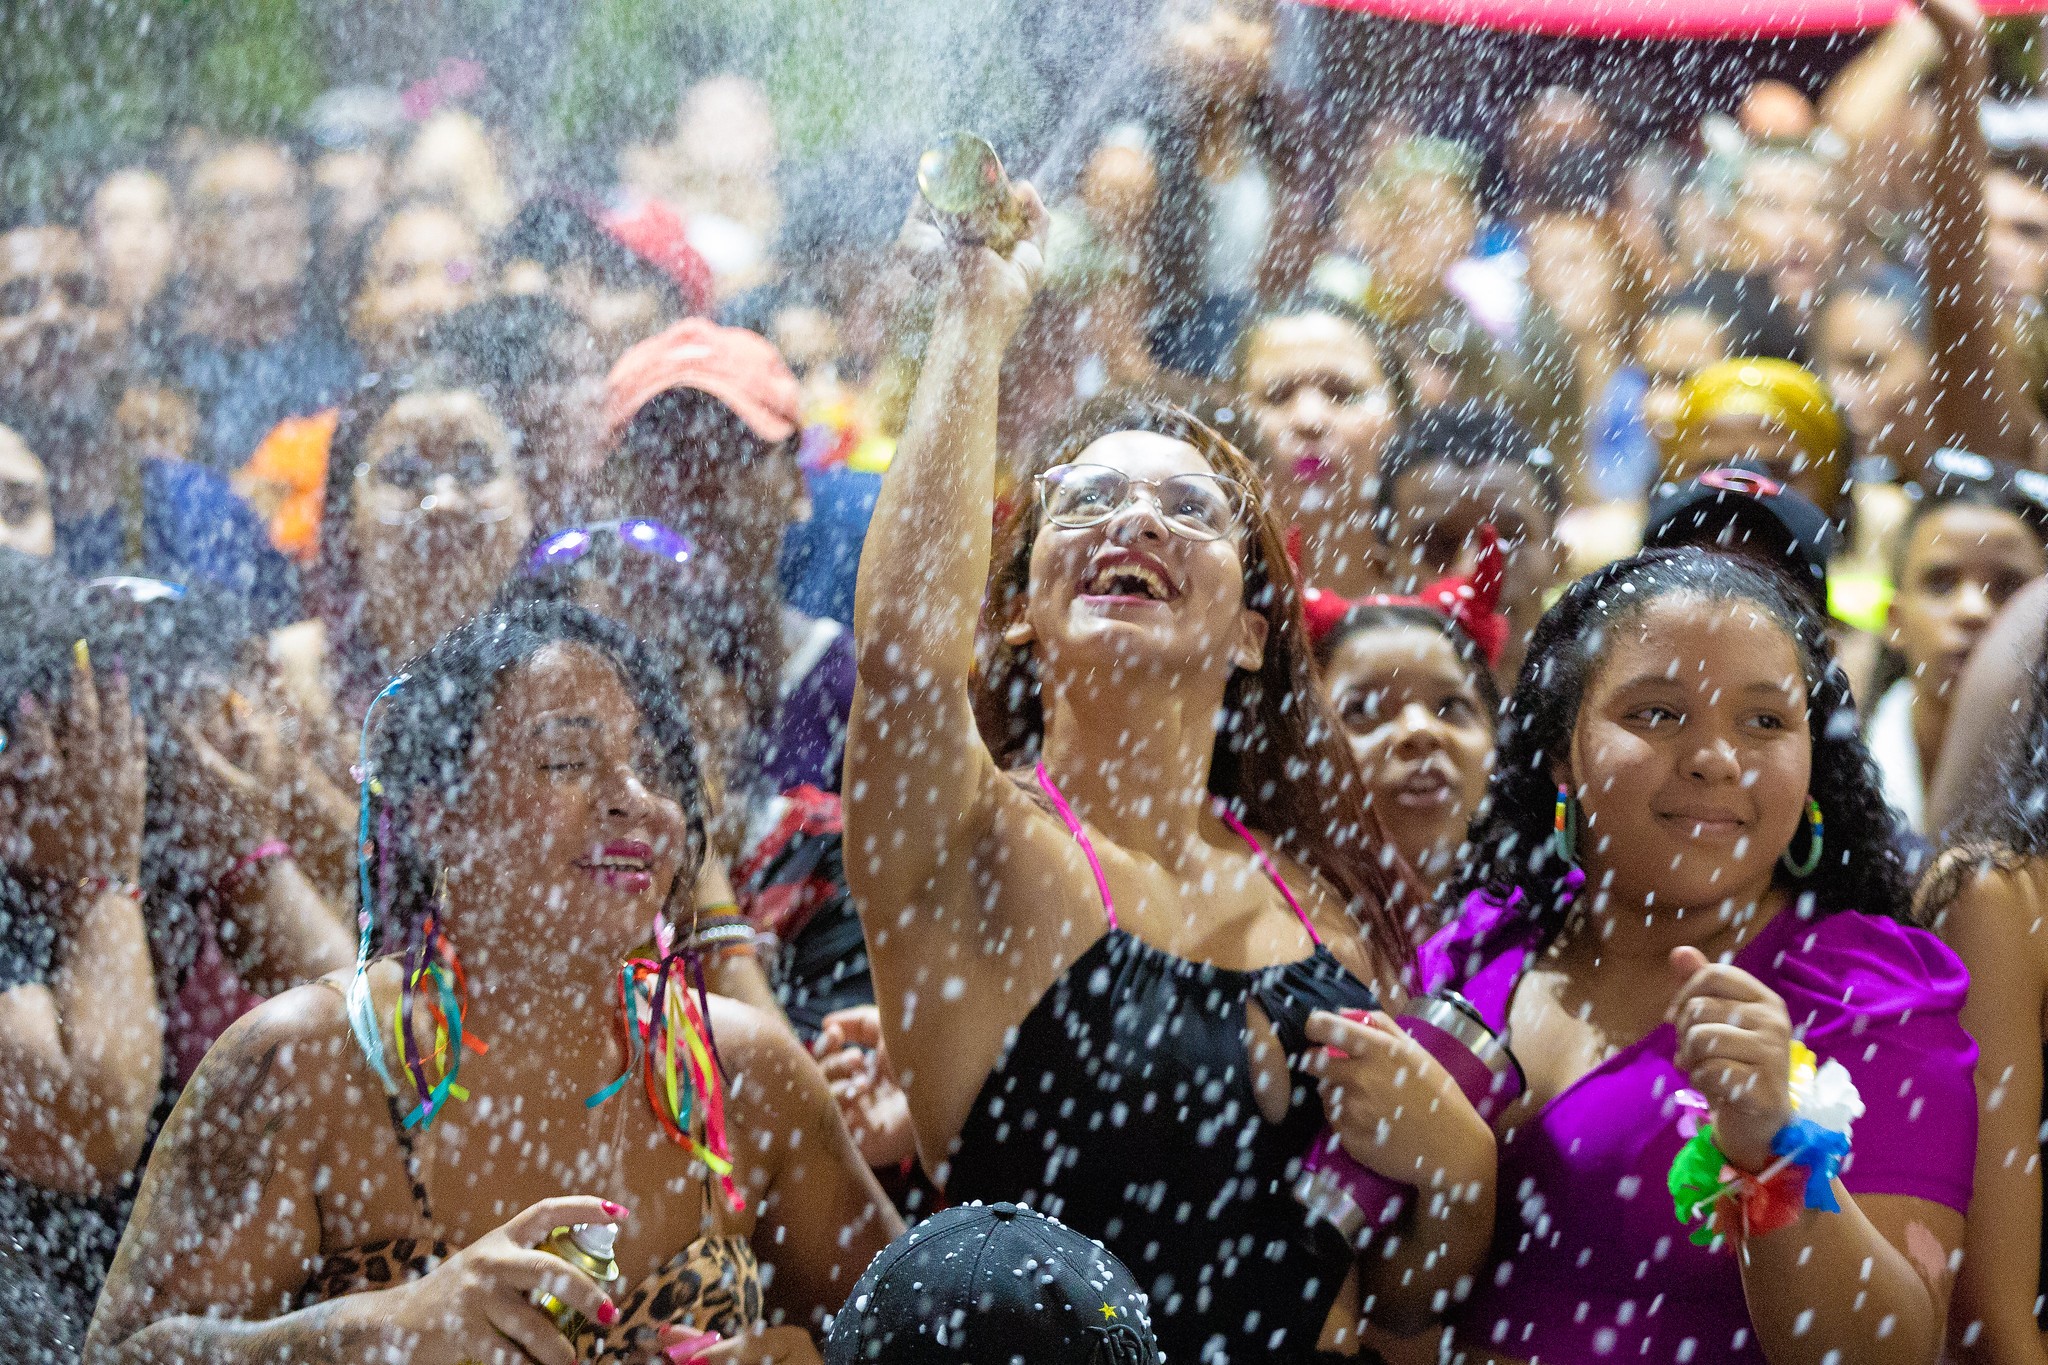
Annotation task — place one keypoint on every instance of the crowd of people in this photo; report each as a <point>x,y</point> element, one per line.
<point>683,702</point>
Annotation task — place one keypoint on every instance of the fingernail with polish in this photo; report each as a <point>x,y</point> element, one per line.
<point>607,1313</point>
<point>616,1210</point>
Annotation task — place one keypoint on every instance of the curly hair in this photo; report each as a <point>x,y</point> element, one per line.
<point>1280,757</point>
<point>2007,824</point>
<point>1863,866</point>
<point>420,737</point>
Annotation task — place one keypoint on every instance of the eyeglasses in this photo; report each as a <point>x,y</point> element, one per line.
<point>1196,506</point>
<point>644,534</point>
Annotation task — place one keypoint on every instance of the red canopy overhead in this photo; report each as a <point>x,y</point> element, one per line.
<point>1660,18</point>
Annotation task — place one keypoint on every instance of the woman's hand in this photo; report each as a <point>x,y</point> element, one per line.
<point>1396,1111</point>
<point>855,1059</point>
<point>477,1306</point>
<point>757,1345</point>
<point>990,290</point>
<point>73,781</point>
<point>234,776</point>
<point>1735,1047</point>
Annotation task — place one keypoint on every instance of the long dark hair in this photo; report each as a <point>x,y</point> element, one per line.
<point>2006,823</point>
<point>1862,866</point>
<point>419,737</point>
<point>1279,758</point>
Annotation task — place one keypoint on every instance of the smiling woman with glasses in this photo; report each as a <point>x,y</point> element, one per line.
<point>1097,809</point>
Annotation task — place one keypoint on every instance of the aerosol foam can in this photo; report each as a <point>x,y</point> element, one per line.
<point>588,1247</point>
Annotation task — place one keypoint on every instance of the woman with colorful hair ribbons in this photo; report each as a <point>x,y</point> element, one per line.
<point>363,1169</point>
<point>1747,1127</point>
<point>1110,923</point>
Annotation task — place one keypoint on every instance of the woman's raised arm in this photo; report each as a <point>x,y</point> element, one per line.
<point>916,767</point>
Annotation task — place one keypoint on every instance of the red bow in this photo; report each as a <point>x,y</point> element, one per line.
<point>1471,601</point>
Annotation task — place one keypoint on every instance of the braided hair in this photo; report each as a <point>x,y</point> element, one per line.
<point>1863,866</point>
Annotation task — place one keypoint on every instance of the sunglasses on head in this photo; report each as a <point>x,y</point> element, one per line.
<point>642,534</point>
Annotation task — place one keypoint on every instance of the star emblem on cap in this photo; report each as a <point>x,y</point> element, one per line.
<point>1107,1312</point>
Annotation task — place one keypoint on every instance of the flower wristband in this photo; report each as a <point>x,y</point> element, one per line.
<point>1810,1150</point>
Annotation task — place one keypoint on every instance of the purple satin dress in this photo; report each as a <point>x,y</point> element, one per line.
<point>1588,1261</point>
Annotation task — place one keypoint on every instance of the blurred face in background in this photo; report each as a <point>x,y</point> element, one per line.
<point>155,422</point>
<point>1671,348</point>
<point>423,266</point>
<point>1411,233</point>
<point>353,181</point>
<point>248,235</point>
<point>26,523</point>
<point>440,516</point>
<point>1877,367</point>
<point>1431,529</point>
<point>2018,239</point>
<point>1217,51</point>
<point>451,159</point>
<point>690,461</point>
<point>618,312</point>
<point>1575,269</point>
<point>56,332</point>
<point>1322,410</point>
<point>1560,152</point>
<point>809,340</point>
<point>1787,224</point>
<point>1961,563</point>
<point>133,236</point>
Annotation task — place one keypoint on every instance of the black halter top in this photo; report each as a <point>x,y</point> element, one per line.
<point>1124,1108</point>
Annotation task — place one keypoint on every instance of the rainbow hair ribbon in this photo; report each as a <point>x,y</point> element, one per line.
<point>666,1035</point>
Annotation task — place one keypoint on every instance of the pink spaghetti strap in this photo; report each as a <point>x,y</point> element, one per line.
<point>1073,823</point>
<point>1266,861</point>
<point>1059,803</point>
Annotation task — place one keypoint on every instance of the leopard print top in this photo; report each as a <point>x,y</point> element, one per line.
<point>711,1285</point>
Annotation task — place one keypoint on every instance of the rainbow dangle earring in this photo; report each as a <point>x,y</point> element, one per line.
<point>1806,866</point>
<point>1563,837</point>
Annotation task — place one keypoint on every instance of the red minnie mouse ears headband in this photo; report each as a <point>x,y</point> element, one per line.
<point>1472,601</point>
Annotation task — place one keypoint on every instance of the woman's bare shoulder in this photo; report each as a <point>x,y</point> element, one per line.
<point>1981,901</point>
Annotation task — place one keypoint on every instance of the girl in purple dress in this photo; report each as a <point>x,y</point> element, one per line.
<point>1686,867</point>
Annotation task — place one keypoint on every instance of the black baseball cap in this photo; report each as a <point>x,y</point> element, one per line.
<point>1746,512</point>
<point>994,1284</point>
